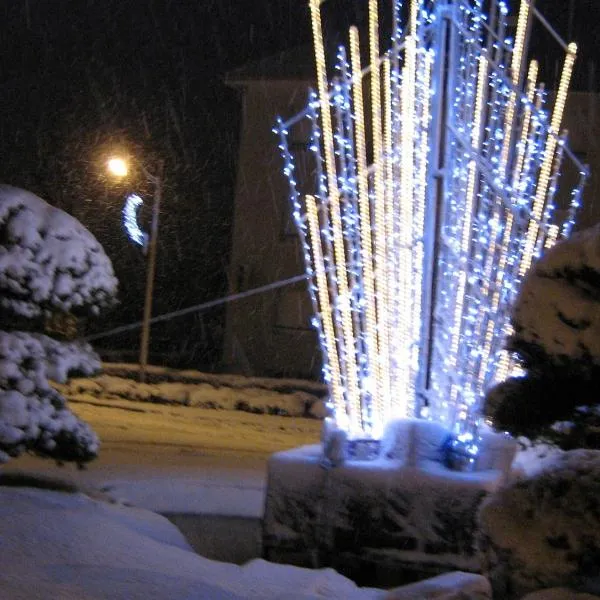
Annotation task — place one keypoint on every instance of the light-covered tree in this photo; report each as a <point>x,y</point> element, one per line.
<point>50,266</point>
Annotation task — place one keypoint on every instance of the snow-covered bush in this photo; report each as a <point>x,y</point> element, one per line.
<point>553,409</point>
<point>544,531</point>
<point>556,316</point>
<point>48,260</point>
<point>556,320</point>
<point>49,265</point>
<point>66,359</point>
<point>33,416</point>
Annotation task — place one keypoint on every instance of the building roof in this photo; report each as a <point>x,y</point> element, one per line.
<point>295,64</point>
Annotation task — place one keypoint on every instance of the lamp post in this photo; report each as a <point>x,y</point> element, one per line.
<point>118,167</point>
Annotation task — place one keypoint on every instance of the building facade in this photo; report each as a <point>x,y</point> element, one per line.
<point>268,333</point>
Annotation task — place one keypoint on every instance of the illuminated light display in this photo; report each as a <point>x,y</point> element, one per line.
<point>435,174</point>
<point>404,385</point>
<point>382,377</point>
<point>130,209</point>
<point>366,244</point>
<point>324,303</point>
<point>332,200</point>
<point>549,150</point>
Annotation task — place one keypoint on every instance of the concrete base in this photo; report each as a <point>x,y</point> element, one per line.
<point>382,522</point>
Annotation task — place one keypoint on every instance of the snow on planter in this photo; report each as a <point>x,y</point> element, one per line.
<point>50,265</point>
<point>403,508</point>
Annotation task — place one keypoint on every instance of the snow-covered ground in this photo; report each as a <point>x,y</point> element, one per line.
<point>71,547</point>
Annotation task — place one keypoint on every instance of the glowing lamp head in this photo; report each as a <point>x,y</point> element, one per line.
<point>117,167</point>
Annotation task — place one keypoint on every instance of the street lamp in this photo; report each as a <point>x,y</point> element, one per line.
<point>118,167</point>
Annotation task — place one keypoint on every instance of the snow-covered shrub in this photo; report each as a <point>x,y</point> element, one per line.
<point>33,416</point>
<point>48,260</point>
<point>68,359</point>
<point>558,410</point>
<point>556,316</point>
<point>544,531</point>
<point>556,320</point>
<point>50,265</point>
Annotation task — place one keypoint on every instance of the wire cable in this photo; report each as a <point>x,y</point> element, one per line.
<point>198,307</point>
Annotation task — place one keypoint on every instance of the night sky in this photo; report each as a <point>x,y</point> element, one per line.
<point>79,78</point>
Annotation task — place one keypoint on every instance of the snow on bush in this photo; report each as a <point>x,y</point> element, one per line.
<point>50,266</point>
<point>556,321</point>
<point>556,316</point>
<point>552,408</point>
<point>48,260</point>
<point>532,457</point>
<point>544,531</point>
<point>33,416</point>
<point>67,359</point>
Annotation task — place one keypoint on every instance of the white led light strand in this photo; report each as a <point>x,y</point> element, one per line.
<point>365,210</point>
<point>343,298</point>
<point>525,128</point>
<point>325,305</point>
<point>405,385</point>
<point>388,227</point>
<point>381,276</point>
<point>516,67</point>
<point>553,228</point>
<point>419,224</point>
<point>544,179</point>
<point>466,235</point>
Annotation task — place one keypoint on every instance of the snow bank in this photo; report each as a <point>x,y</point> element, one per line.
<point>544,531</point>
<point>217,394</point>
<point>48,260</point>
<point>159,374</point>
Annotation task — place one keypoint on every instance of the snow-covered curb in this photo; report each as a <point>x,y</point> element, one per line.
<point>159,374</point>
<point>225,392</point>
